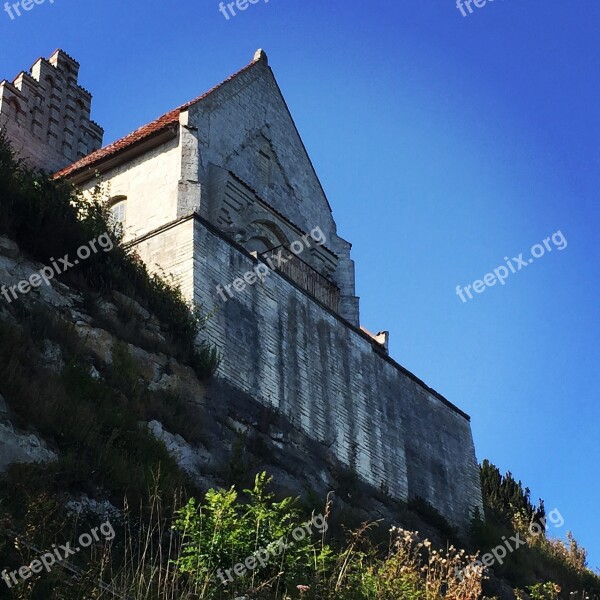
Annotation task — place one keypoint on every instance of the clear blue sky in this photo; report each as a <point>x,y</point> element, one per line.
<point>444,144</point>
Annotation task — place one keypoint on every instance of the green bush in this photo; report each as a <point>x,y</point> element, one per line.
<point>224,532</point>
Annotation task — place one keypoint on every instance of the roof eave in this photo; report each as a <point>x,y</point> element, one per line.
<point>134,150</point>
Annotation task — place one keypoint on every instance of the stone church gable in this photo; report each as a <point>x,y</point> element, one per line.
<point>245,127</point>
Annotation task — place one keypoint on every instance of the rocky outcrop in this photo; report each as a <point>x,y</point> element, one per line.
<point>18,446</point>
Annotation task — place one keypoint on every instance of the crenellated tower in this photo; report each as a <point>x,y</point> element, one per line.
<point>46,114</point>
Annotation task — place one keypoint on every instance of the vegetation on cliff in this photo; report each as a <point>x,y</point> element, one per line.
<point>249,545</point>
<point>50,219</point>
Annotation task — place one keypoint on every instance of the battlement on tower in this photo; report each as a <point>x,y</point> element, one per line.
<point>46,114</point>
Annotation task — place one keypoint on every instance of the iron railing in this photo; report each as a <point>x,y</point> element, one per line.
<point>303,275</point>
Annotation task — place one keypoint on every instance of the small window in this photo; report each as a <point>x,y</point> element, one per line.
<point>49,85</point>
<point>265,167</point>
<point>14,110</point>
<point>118,212</point>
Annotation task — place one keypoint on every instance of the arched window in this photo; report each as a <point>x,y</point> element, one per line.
<point>118,212</point>
<point>262,235</point>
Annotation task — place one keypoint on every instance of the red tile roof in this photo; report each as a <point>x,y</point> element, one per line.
<point>168,119</point>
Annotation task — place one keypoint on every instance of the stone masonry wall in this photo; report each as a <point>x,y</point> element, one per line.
<point>287,351</point>
<point>46,114</point>
<point>170,252</point>
<point>149,183</point>
<point>245,127</point>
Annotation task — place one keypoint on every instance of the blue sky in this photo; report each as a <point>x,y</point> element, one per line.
<point>444,143</point>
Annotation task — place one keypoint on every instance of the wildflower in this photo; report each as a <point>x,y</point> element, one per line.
<point>303,588</point>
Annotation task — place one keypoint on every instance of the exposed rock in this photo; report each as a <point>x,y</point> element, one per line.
<point>107,310</point>
<point>52,356</point>
<point>13,270</point>
<point>21,447</point>
<point>8,247</point>
<point>193,460</point>
<point>98,341</point>
<point>151,366</point>
<point>238,427</point>
<point>165,383</point>
<point>180,379</point>
<point>78,315</point>
<point>84,505</point>
<point>153,329</point>
<point>133,306</point>
<point>151,325</point>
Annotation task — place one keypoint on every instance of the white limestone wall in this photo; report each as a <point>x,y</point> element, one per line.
<point>245,127</point>
<point>287,351</point>
<point>150,184</point>
<point>171,252</point>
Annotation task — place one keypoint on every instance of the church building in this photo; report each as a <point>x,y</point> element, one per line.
<point>221,193</point>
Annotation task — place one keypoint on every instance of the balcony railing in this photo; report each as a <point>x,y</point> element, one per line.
<point>303,275</point>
